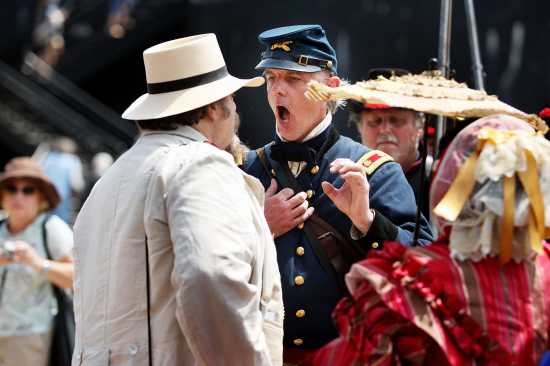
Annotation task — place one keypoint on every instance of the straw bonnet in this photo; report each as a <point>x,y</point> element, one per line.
<point>25,167</point>
<point>428,92</point>
<point>183,75</point>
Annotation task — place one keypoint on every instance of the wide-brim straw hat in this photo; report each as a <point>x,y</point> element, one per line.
<point>24,167</point>
<point>183,75</point>
<point>428,92</point>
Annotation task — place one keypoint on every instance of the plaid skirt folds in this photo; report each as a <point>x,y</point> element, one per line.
<point>417,306</point>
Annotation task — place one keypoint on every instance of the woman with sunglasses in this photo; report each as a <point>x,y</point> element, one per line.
<point>27,301</point>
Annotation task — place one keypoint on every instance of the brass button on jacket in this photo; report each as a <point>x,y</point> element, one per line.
<point>375,245</point>
<point>300,313</point>
<point>298,341</point>
<point>300,251</point>
<point>299,280</point>
<point>315,170</point>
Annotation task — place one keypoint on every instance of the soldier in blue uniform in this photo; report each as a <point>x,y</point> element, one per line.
<point>329,199</point>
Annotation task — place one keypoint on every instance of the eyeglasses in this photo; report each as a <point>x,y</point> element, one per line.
<point>394,122</point>
<point>27,190</point>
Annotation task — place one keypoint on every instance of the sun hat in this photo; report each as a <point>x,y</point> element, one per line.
<point>25,167</point>
<point>428,92</point>
<point>492,190</point>
<point>182,75</point>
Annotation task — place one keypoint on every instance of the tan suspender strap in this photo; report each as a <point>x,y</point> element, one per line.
<point>373,160</point>
<point>263,159</point>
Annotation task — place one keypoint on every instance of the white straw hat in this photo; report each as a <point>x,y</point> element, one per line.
<point>428,92</point>
<point>183,75</point>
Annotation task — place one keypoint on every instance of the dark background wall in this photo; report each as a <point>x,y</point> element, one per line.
<point>514,37</point>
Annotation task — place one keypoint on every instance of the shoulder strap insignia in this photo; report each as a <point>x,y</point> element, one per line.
<point>373,160</point>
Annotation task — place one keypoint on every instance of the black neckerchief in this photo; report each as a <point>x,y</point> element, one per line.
<point>310,151</point>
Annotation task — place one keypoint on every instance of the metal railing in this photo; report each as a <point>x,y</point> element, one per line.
<point>68,111</point>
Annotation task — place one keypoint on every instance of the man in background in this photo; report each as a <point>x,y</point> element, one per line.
<point>395,131</point>
<point>63,166</point>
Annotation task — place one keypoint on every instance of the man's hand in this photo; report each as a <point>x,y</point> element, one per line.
<point>285,210</point>
<point>353,197</point>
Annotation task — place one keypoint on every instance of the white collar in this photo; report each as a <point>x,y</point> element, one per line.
<point>186,131</point>
<point>317,130</point>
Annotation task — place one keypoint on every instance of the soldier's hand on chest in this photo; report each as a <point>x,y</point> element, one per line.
<point>285,210</point>
<point>352,198</point>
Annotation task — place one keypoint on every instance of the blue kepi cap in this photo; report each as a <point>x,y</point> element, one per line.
<point>298,47</point>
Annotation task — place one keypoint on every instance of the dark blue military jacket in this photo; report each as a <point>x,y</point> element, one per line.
<point>309,292</point>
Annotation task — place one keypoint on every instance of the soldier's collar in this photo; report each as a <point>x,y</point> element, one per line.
<point>316,131</point>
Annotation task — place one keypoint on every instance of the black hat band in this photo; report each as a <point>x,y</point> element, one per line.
<point>187,83</point>
<point>302,60</point>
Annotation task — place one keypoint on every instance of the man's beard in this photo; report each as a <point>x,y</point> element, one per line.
<point>236,147</point>
<point>237,123</point>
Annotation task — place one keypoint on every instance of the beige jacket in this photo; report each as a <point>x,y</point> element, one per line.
<point>215,285</point>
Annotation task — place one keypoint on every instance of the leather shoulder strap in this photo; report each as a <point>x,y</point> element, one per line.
<point>332,264</point>
<point>45,237</point>
<point>286,179</point>
<point>264,160</point>
<point>373,160</point>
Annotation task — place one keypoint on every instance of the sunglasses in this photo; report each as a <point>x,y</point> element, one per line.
<point>27,190</point>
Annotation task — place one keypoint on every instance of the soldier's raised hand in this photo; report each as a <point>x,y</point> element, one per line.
<point>285,210</point>
<point>353,197</point>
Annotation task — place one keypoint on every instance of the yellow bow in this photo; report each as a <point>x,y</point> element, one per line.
<point>452,203</point>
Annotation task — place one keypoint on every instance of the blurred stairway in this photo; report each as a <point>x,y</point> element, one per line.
<point>34,108</point>
<point>38,102</point>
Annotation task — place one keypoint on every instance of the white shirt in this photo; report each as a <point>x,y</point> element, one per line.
<point>28,303</point>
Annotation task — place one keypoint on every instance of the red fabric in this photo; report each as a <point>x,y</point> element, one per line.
<point>376,106</point>
<point>417,306</point>
<point>545,113</point>
<point>300,357</point>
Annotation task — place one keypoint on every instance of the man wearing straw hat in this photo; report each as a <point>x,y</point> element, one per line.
<point>175,262</point>
<point>395,131</point>
<point>320,207</point>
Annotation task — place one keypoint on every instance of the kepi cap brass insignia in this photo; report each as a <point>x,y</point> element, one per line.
<point>282,45</point>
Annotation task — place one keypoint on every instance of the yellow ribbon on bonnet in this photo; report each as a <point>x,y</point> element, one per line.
<point>452,203</point>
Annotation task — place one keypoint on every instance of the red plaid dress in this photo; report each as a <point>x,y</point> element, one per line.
<point>417,306</point>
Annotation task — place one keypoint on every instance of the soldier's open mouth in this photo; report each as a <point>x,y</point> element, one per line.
<point>283,113</point>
